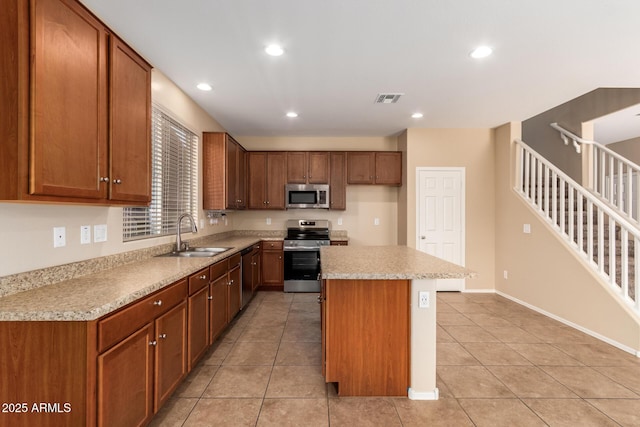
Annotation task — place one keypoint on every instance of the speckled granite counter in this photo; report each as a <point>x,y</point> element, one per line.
<point>93,295</point>
<point>386,263</point>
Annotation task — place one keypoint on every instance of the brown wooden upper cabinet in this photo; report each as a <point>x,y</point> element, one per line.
<point>338,181</point>
<point>224,172</point>
<point>267,178</point>
<point>379,167</point>
<point>308,167</point>
<point>75,115</point>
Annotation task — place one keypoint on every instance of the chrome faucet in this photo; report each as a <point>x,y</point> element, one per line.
<point>179,243</point>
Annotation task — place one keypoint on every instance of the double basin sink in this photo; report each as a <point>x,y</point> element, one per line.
<point>197,252</point>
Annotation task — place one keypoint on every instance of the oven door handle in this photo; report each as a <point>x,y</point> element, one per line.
<point>301,248</point>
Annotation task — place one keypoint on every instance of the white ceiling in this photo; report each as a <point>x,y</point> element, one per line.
<point>339,54</point>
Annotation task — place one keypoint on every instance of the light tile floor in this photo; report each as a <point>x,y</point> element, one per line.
<point>498,364</point>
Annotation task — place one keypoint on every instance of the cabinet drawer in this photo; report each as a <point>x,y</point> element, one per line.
<point>124,322</point>
<point>198,280</point>
<point>218,269</point>
<point>275,245</point>
<point>234,260</point>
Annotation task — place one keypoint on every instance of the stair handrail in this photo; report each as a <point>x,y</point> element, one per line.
<point>605,165</point>
<point>540,182</point>
<point>633,228</point>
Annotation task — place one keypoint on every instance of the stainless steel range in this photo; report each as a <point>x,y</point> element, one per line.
<point>302,246</point>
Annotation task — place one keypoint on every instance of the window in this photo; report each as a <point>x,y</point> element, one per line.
<point>174,182</point>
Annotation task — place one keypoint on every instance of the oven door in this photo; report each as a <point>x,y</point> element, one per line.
<point>301,270</point>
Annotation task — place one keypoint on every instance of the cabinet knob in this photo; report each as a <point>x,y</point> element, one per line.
<point>117,181</point>
<point>158,303</point>
<point>264,203</point>
<point>154,342</point>
<point>319,299</point>
<point>104,179</point>
<point>209,297</point>
<point>204,276</point>
<point>230,282</point>
<point>239,201</point>
<point>163,336</point>
<point>268,202</point>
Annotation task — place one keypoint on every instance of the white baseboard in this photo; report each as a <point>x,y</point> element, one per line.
<point>424,395</point>
<point>573,325</point>
<point>479,291</point>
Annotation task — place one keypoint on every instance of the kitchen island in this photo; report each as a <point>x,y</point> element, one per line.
<point>377,339</point>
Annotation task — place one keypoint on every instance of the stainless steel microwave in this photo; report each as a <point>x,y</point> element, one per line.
<point>307,196</point>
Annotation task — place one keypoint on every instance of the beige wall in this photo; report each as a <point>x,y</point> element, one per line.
<point>473,150</point>
<point>541,270</point>
<point>364,202</point>
<point>27,229</point>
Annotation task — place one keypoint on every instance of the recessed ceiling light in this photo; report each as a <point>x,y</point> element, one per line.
<point>274,50</point>
<point>417,115</point>
<point>292,114</point>
<point>204,86</point>
<point>481,52</point>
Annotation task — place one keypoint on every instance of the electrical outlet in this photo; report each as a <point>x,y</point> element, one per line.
<point>268,221</point>
<point>505,274</point>
<point>526,228</point>
<point>59,237</point>
<point>376,221</point>
<point>423,299</point>
<point>85,234</point>
<point>339,221</point>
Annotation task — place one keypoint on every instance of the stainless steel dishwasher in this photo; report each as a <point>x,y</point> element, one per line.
<point>247,281</point>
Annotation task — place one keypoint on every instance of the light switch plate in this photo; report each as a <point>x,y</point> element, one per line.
<point>100,233</point>
<point>85,234</point>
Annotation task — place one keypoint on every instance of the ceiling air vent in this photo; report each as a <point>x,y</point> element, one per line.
<point>387,98</point>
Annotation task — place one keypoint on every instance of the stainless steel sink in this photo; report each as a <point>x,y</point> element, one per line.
<point>197,252</point>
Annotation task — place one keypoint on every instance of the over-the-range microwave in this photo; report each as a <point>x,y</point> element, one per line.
<point>307,196</point>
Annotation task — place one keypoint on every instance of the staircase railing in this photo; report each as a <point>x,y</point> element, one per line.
<point>605,239</point>
<point>615,178</point>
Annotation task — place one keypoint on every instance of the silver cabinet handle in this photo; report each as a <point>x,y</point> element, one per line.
<point>154,342</point>
<point>163,336</point>
<point>204,276</point>
<point>158,303</point>
<point>117,181</point>
<point>209,297</point>
<point>104,179</point>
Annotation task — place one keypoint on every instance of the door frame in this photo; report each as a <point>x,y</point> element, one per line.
<point>462,171</point>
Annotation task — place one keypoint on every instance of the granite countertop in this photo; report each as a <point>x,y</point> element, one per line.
<point>386,263</point>
<point>93,295</point>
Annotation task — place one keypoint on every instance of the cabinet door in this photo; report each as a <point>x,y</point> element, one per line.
<point>217,307</point>
<point>388,168</point>
<point>272,268</point>
<point>68,147</point>
<point>130,121</point>
<point>171,352</point>
<point>198,325</point>
<point>297,167</point>
<point>257,164</point>
<point>241,179</point>
<point>232,173</point>
<point>276,179</point>
<point>318,167</point>
<point>338,189</point>
<point>255,270</point>
<point>125,381</point>
<point>360,167</point>
<point>234,293</point>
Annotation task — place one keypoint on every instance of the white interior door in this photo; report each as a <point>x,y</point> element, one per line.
<point>440,216</point>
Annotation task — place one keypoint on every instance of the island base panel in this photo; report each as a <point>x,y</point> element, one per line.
<point>367,336</point>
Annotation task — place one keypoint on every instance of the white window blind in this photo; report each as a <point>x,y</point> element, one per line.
<point>174,183</point>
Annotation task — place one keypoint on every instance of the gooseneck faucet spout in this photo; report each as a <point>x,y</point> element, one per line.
<point>180,245</point>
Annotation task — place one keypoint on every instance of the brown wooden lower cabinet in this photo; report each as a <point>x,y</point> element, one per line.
<point>120,369</point>
<point>366,336</point>
<point>272,265</point>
